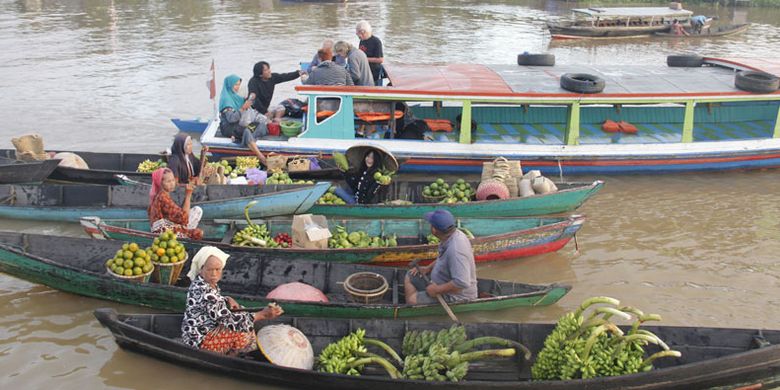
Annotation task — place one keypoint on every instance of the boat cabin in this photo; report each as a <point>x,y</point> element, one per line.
<point>629,16</point>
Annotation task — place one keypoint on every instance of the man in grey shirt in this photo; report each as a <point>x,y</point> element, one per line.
<point>357,63</point>
<point>453,274</point>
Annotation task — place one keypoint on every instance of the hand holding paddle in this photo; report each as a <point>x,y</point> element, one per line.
<point>440,298</point>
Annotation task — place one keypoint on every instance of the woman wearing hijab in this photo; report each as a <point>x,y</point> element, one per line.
<point>182,162</point>
<point>362,187</point>
<point>209,322</point>
<point>238,120</point>
<point>165,214</point>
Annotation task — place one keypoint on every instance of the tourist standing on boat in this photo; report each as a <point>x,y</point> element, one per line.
<point>357,63</point>
<point>182,162</point>
<point>372,46</point>
<point>678,29</point>
<point>362,188</point>
<point>238,120</point>
<point>209,322</point>
<point>453,274</point>
<point>697,22</point>
<point>326,44</point>
<point>263,83</point>
<point>165,214</point>
<point>328,72</point>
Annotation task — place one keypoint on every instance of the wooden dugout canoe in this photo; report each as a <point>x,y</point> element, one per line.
<point>569,197</point>
<point>13,171</point>
<point>77,265</point>
<point>495,238</point>
<point>711,357</point>
<point>68,203</point>
<point>104,168</point>
<point>717,31</point>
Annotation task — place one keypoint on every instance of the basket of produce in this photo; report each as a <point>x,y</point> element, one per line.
<point>131,264</point>
<point>366,287</point>
<point>299,164</point>
<point>291,128</point>
<point>276,161</point>
<point>168,256</point>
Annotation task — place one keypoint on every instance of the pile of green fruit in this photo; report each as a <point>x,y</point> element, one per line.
<point>359,239</point>
<point>592,346</point>
<point>167,249</point>
<point>330,197</point>
<point>460,191</point>
<point>429,355</point>
<point>280,177</point>
<point>228,170</point>
<point>435,240</point>
<point>149,166</point>
<point>130,260</point>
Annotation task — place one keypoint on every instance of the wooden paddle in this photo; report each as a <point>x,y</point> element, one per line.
<point>438,296</point>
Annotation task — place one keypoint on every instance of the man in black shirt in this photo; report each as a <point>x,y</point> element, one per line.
<point>372,46</point>
<point>263,83</point>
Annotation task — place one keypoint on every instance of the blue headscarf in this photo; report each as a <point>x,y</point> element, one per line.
<point>228,98</point>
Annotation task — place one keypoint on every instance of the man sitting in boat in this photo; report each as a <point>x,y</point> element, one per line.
<point>165,214</point>
<point>326,44</point>
<point>328,72</point>
<point>453,274</point>
<point>263,83</point>
<point>357,62</point>
<point>209,322</point>
<point>362,187</point>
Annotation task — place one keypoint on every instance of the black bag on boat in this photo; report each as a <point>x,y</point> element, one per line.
<point>414,130</point>
<point>294,107</point>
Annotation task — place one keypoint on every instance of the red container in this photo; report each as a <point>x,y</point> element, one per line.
<point>274,129</point>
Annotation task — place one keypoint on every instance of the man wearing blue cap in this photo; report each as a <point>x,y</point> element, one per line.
<point>453,273</point>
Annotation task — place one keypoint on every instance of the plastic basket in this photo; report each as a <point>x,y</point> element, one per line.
<point>142,278</point>
<point>168,273</point>
<point>291,128</point>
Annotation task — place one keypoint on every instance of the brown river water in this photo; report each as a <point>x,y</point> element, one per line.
<point>105,75</point>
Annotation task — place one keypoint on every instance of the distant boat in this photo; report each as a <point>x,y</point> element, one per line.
<point>192,126</point>
<point>13,171</point>
<point>717,31</point>
<point>619,22</point>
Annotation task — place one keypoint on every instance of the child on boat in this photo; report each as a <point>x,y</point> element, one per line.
<point>165,214</point>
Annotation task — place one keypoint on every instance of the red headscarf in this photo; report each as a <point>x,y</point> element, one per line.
<point>157,177</point>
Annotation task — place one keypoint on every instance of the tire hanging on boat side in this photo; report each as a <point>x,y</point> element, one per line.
<point>759,82</point>
<point>582,83</point>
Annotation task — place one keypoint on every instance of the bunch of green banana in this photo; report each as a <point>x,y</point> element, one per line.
<point>246,162</point>
<point>581,347</point>
<point>149,166</point>
<point>254,234</point>
<point>418,342</point>
<point>349,355</point>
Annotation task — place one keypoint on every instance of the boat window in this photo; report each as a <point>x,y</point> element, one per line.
<point>327,107</point>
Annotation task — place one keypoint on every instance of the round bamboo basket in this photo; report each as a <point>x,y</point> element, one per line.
<point>366,287</point>
<point>142,278</point>
<point>168,273</point>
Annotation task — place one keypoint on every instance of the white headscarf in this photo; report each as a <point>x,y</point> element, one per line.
<point>200,259</point>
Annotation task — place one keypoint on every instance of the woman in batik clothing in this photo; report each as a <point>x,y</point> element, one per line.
<point>209,322</point>
<point>165,214</point>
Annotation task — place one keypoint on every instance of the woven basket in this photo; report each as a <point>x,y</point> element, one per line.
<point>433,199</point>
<point>366,287</point>
<point>276,161</point>
<point>299,164</point>
<point>142,278</point>
<point>168,273</point>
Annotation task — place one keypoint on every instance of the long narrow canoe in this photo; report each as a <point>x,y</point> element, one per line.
<point>569,197</point>
<point>13,171</point>
<point>77,265</point>
<point>495,238</point>
<point>717,31</point>
<point>722,358</point>
<point>68,203</point>
<point>105,168</point>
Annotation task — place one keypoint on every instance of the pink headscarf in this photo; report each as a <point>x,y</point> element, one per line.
<point>157,177</point>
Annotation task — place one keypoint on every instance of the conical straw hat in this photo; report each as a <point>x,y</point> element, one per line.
<point>285,346</point>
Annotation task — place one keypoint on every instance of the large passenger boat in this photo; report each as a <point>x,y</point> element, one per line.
<point>687,117</point>
<point>617,22</point>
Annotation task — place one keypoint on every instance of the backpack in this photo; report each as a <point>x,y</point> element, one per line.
<point>414,130</point>
<point>294,107</point>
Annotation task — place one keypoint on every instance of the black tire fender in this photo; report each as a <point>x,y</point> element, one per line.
<point>684,61</point>
<point>536,59</point>
<point>582,83</point>
<point>760,82</point>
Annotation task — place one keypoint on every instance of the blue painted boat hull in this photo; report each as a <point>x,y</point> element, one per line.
<point>193,126</point>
